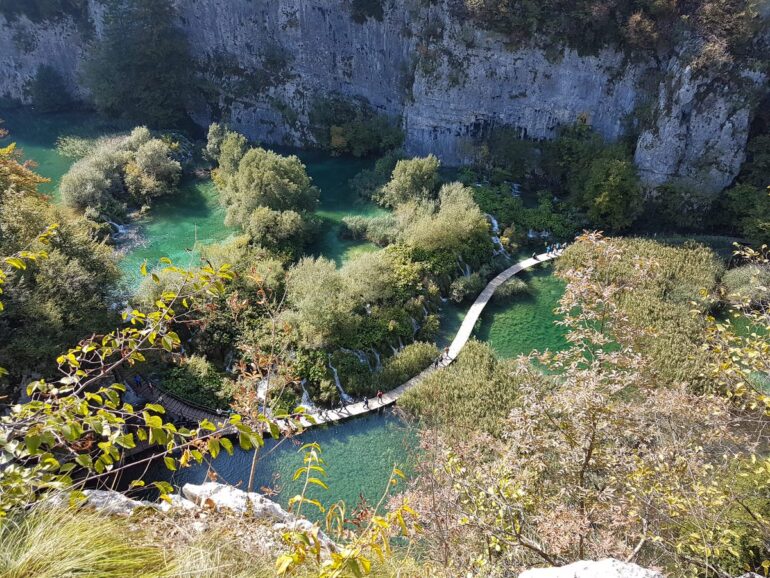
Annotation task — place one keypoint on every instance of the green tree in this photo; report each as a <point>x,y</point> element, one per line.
<point>267,179</point>
<point>285,232</point>
<point>612,195</point>
<point>141,68</point>
<point>412,180</point>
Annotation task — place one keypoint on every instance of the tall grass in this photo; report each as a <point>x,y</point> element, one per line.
<point>52,542</point>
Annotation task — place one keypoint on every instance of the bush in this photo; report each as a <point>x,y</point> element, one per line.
<point>412,180</point>
<point>476,393</point>
<point>284,232</point>
<point>353,127</point>
<point>266,179</point>
<point>134,168</point>
<point>405,364</point>
<point>48,91</point>
<point>381,231</point>
<point>747,285</point>
<point>197,381</point>
<point>514,287</point>
<point>468,287</point>
<point>368,182</point>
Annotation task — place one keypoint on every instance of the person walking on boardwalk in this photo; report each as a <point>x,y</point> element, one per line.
<point>534,255</point>
<point>366,402</point>
<point>379,396</point>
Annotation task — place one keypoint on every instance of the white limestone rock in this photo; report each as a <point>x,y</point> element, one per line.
<point>609,568</point>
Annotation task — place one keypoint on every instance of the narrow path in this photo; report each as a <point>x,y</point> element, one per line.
<point>181,409</point>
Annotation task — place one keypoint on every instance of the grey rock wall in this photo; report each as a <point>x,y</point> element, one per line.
<point>447,81</point>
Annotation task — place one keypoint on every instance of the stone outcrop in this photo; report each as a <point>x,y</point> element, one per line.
<point>448,81</point>
<point>609,568</point>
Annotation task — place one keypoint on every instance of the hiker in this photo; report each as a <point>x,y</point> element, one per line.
<point>379,396</point>
<point>534,255</point>
<point>366,403</point>
<point>138,380</point>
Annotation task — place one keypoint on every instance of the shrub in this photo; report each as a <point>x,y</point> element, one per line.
<point>368,182</point>
<point>412,180</point>
<point>476,393</point>
<point>514,287</point>
<point>747,285</point>
<point>197,381</point>
<point>405,364</point>
<point>353,127</point>
<point>134,167</point>
<point>279,231</point>
<point>266,179</point>
<point>468,287</point>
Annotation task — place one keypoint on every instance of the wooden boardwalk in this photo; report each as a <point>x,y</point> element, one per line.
<point>181,410</point>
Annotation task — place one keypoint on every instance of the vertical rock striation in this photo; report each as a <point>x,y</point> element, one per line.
<point>267,63</point>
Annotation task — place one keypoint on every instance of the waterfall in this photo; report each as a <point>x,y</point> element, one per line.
<point>343,396</point>
<point>415,326</point>
<point>360,355</point>
<point>465,269</point>
<point>400,343</point>
<point>376,353</point>
<point>425,312</point>
<point>494,223</point>
<point>393,349</point>
<point>500,249</point>
<point>120,230</point>
<point>306,402</point>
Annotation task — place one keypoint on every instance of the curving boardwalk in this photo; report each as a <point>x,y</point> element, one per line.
<point>180,409</point>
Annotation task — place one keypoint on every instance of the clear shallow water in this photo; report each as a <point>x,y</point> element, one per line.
<point>524,323</point>
<point>359,455</point>
<point>176,224</point>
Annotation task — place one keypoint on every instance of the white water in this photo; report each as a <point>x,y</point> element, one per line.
<point>376,353</point>
<point>494,223</point>
<point>415,326</point>
<point>306,402</point>
<point>360,355</point>
<point>343,396</point>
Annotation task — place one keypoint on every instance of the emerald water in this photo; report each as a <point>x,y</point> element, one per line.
<point>526,322</point>
<point>359,453</point>
<point>359,456</point>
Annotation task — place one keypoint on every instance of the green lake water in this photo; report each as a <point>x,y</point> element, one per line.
<point>359,456</point>
<point>359,453</point>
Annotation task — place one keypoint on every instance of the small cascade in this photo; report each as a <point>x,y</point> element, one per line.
<point>425,312</point>
<point>465,269</point>
<point>120,230</point>
<point>494,223</point>
<point>360,355</point>
<point>343,396</point>
<point>415,327</point>
<point>400,343</point>
<point>306,402</point>
<point>393,349</point>
<point>500,249</point>
<point>378,367</point>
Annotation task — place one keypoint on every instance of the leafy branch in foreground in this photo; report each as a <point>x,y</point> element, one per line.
<point>354,556</point>
<point>76,430</point>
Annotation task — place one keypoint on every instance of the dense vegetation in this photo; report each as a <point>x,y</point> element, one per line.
<point>121,172</point>
<point>725,28</point>
<point>140,69</point>
<point>633,442</point>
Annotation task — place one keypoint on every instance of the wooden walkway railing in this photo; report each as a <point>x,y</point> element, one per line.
<point>180,409</point>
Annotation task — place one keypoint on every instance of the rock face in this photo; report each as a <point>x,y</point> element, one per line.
<point>446,80</point>
<point>609,568</point>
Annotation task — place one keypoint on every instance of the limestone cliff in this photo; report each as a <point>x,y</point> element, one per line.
<point>446,80</point>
